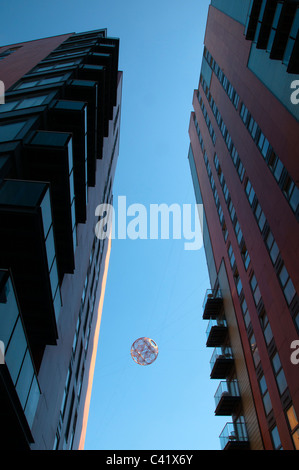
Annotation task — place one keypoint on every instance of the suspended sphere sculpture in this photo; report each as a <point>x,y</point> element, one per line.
<point>144,351</point>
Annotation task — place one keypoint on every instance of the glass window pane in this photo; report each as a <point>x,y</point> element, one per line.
<point>289,291</point>
<point>294,198</point>
<point>278,170</point>
<point>267,403</point>
<point>269,240</point>
<point>15,351</point>
<point>46,212</point>
<point>47,81</point>
<point>281,381</point>
<point>276,362</point>
<point>8,313</point>
<point>32,401</point>
<point>296,439</point>
<point>30,102</point>
<point>7,106</point>
<point>268,334</point>
<point>262,221</point>
<point>283,276</point>
<point>274,252</point>
<point>263,385</point>
<point>10,131</point>
<point>257,295</point>
<point>50,247</point>
<point>275,438</point>
<point>292,417</point>
<point>25,379</point>
<point>57,303</point>
<point>27,85</point>
<point>54,278</point>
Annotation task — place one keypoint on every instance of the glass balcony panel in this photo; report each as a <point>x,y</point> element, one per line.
<point>226,390</point>
<point>233,433</point>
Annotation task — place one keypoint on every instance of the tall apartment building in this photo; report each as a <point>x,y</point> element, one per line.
<point>244,141</point>
<point>59,143</point>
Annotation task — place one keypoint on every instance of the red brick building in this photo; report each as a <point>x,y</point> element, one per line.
<point>244,135</point>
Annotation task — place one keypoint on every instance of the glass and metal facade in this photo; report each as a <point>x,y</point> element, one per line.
<point>59,142</point>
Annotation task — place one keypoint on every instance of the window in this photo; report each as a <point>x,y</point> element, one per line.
<point>231,255</point>
<point>245,256</point>
<point>238,232</point>
<point>265,395</point>
<point>272,247</point>
<point>255,290</point>
<point>250,192</point>
<point>279,373</point>
<point>294,198</point>
<point>10,131</point>
<point>254,350</point>
<point>260,217</point>
<point>294,425</point>
<point>266,327</point>
<point>39,82</point>
<point>276,439</point>
<point>278,169</point>
<point>58,65</point>
<point>245,313</point>
<point>287,285</point>
<point>6,53</point>
<point>21,104</point>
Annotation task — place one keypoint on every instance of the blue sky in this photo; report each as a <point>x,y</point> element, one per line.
<point>155,288</point>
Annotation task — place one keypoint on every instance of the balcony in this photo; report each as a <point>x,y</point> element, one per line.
<point>213,304</point>
<point>216,332</point>
<point>252,19</point>
<point>71,117</point>
<point>234,437</point>
<point>227,398</point>
<point>222,363</point>
<point>87,91</point>
<point>48,156</point>
<point>27,247</point>
<point>97,73</point>
<point>19,389</point>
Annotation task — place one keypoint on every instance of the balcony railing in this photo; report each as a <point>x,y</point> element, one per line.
<point>227,398</point>
<point>234,436</point>
<point>221,362</point>
<point>212,305</point>
<point>216,332</point>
